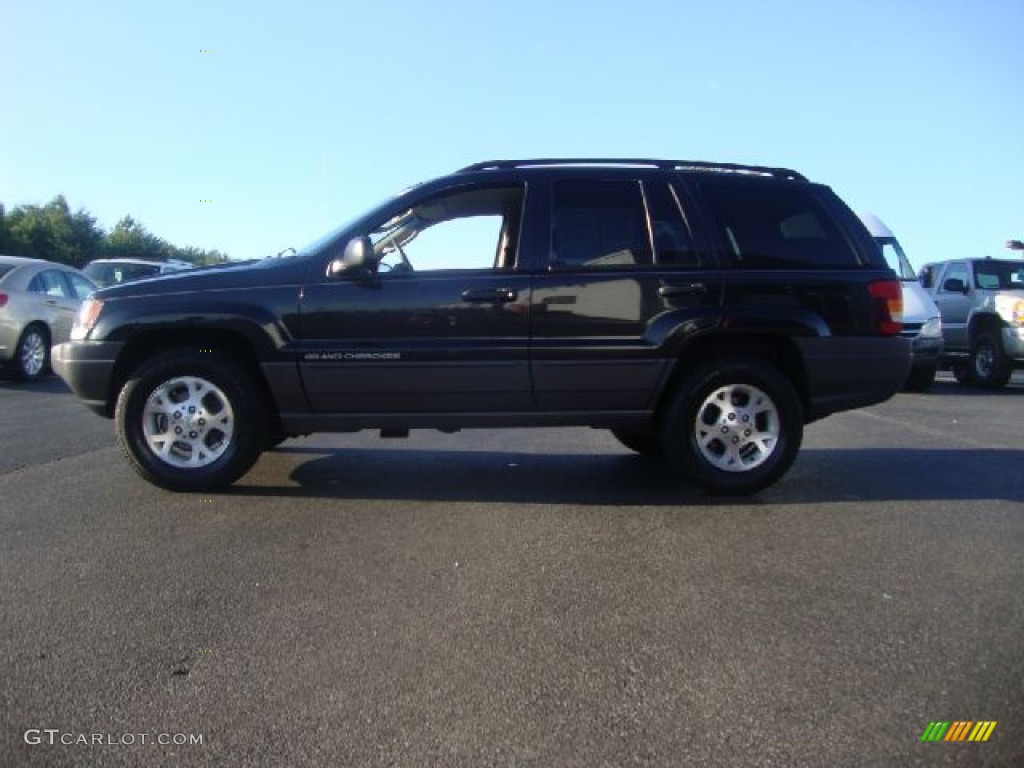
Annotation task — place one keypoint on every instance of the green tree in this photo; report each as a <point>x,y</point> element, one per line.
<point>51,232</point>
<point>87,237</point>
<point>130,240</point>
<point>6,245</point>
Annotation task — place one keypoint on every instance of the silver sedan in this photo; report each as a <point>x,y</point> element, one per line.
<point>38,303</point>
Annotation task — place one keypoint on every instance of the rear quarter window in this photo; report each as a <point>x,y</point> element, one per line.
<point>766,224</point>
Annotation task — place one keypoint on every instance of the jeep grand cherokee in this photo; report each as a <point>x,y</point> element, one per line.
<point>704,312</point>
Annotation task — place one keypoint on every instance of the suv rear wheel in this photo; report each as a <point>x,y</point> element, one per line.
<point>989,365</point>
<point>190,420</point>
<point>734,426</point>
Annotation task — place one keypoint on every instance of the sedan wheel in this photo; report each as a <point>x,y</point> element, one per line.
<point>32,354</point>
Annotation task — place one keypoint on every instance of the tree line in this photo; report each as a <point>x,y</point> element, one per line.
<point>54,233</point>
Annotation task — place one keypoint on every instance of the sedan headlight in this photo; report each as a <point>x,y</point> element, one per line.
<point>932,328</point>
<point>88,314</point>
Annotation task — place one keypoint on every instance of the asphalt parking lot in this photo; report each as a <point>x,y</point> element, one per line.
<point>516,598</point>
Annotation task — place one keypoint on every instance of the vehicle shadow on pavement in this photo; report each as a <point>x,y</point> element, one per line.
<point>47,385</point>
<point>818,476</point>
<point>946,388</point>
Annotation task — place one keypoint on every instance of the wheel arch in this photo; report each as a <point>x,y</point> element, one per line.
<point>983,322</point>
<point>38,323</point>
<point>229,343</point>
<point>779,351</point>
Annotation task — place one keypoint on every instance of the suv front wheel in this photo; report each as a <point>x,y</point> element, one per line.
<point>989,365</point>
<point>190,421</point>
<point>734,426</point>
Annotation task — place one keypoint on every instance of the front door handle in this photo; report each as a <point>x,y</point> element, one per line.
<point>490,295</point>
<point>691,289</point>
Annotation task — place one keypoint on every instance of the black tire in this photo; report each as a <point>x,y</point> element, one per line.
<point>921,378</point>
<point>220,420</point>
<point>990,367</point>
<point>31,354</point>
<point>720,396</point>
<point>646,442</point>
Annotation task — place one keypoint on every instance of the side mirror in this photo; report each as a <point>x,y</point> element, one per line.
<point>954,285</point>
<point>357,258</point>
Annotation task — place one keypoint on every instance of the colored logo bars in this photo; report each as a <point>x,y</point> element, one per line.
<point>959,730</point>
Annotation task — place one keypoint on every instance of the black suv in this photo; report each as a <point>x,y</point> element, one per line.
<point>701,311</point>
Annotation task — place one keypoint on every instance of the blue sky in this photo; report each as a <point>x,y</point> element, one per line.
<point>303,114</point>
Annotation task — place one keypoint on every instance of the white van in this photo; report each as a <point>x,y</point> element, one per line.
<point>921,320</point>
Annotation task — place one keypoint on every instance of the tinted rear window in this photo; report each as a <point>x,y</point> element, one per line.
<point>599,224</point>
<point>4,269</point>
<point>764,224</point>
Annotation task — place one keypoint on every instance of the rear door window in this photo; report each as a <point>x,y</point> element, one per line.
<point>765,224</point>
<point>80,285</point>
<point>51,283</point>
<point>599,225</point>
<point>673,243</point>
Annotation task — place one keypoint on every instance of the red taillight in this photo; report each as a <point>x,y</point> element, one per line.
<point>887,298</point>
<point>3,299</point>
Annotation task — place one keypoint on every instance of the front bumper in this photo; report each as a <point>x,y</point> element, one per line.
<point>88,368</point>
<point>926,350</point>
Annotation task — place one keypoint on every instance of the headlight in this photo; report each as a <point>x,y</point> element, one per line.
<point>932,328</point>
<point>1011,309</point>
<point>88,314</point>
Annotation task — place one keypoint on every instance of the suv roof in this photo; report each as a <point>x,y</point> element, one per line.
<point>634,162</point>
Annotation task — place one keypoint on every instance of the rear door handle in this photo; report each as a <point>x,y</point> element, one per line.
<point>691,289</point>
<point>490,295</point>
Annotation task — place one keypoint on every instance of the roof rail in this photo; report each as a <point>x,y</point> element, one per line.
<point>668,165</point>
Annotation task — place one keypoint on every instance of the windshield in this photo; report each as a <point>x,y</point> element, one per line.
<point>895,258</point>
<point>352,224</point>
<point>111,274</point>
<point>993,275</point>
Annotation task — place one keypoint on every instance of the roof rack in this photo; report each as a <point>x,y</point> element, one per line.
<point>667,165</point>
